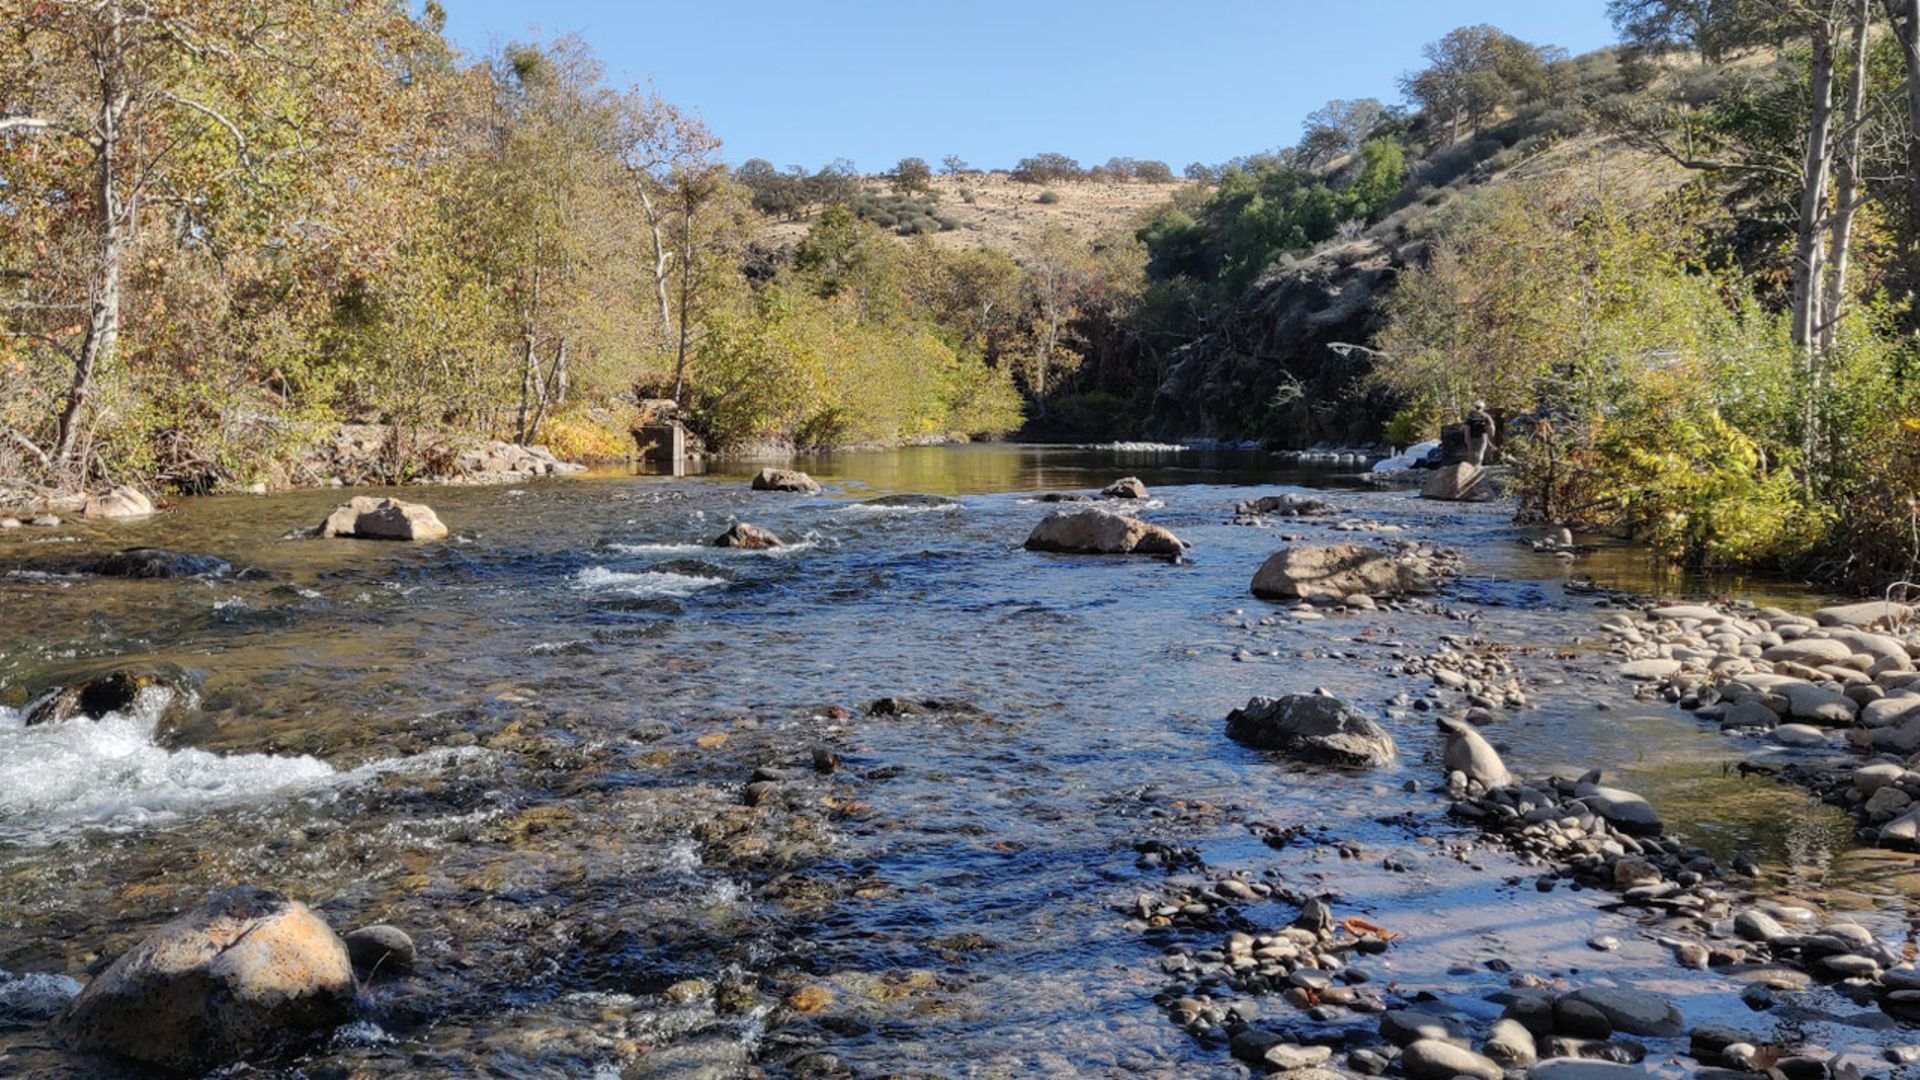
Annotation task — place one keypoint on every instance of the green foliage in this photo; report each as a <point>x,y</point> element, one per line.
<point>1049,168</point>
<point>912,175</point>
<point>1047,198</point>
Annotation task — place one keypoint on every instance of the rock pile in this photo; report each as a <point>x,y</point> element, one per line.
<point>364,454</point>
<point>751,537</point>
<point>1312,727</point>
<point>1284,505</point>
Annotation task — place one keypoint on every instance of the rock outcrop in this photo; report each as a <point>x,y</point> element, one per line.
<point>1097,532</point>
<point>235,976</point>
<point>1311,727</point>
<point>771,479</point>
<point>369,518</point>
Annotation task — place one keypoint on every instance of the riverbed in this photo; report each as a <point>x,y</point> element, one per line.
<point>530,746</point>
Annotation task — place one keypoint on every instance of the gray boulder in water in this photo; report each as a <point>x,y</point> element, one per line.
<point>771,479</point>
<point>1621,808</point>
<point>1311,727</point>
<point>752,537</point>
<point>95,697</point>
<point>233,977</point>
<point>1098,532</point>
<point>1334,572</point>
<point>367,518</point>
<point>1127,487</point>
<point>1471,755</point>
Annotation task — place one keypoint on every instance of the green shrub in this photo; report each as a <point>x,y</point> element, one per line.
<point>1047,197</point>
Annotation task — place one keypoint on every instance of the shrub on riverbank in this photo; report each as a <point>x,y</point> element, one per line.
<point>1649,393</point>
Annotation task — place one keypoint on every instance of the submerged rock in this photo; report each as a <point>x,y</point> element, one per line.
<point>118,505</point>
<point>1285,505</point>
<point>1311,727</point>
<point>1103,533</point>
<point>771,479</point>
<point>1127,487</point>
<point>227,980</point>
<point>753,537</point>
<point>1334,572</point>
<point>1062,497</point>
<point>157,563</point>
<point>380,948</point>
<point>365,517</point>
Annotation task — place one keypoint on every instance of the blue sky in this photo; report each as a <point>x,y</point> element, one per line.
<point>993,80</point>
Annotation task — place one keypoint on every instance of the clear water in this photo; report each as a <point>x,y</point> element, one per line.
<point>528,747</point>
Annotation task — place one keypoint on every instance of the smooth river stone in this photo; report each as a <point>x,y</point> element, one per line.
<point>1650,670</point>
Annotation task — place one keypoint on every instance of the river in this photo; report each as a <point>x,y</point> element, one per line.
<point>528,747</point>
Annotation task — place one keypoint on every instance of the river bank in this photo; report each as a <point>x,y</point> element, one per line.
<point>577,753</point>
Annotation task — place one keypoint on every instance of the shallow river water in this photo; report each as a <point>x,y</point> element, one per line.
<point>529,747</point>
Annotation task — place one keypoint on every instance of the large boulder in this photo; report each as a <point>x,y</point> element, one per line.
<point>772,479</point>
<point>1101,533</point>
<point>1460,482</point>
<point>752,537</point>
<point>157,563</point>
<point>1311,727</point>
<point>1622,809</point>
<point>1127,487</point>
<point>118,505</point>
<point>231,978</point>
<point>1334,572</point>
<point>1467,753</point>
<point>365,517</point>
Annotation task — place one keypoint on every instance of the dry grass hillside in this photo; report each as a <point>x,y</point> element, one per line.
<point>992,210</point>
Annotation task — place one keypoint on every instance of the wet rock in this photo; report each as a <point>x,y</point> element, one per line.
<point>1812,652</point>
<point>119,504</point>
<point>114,692</point>
<point>1754,925</point>
<point>1800,735</point>
<point>227,980</point>
<point>1331,573</point>
<point>1510,1043</point>
<point>1577,1018</point>
<point>771,479</point>
<point>156,563</point>
<point>1063,497</point>
<point>367,518</point>
<point>752,537</point>
<point>380,948</point>
<point>1127,487</point>
<point>35,996</point>
<point>1575,1069</point>
<point>1459,482</point>
<point>1632,1012</point>
<point>1101,533</point>
<point>708,1057</point>
<point>1431,1059</point>
<point>1311,727</point>
<point>1471,755</point>
<point>1403,1027</point>
<point>1623,808</point>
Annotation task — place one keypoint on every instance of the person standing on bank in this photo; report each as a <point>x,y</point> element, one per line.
<point>1479,433</point>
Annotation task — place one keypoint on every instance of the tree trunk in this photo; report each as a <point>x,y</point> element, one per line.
<point>686,289</point>
<point>115,233</point>
<point>1846,182</point>
<point>1808,249</point>
<point>662,261</point>
<point>1807,252</point>
<point>1905,16</point>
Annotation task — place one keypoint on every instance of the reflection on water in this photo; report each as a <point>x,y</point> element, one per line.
<point>579,688</point>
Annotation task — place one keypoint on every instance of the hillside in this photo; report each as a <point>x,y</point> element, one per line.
<point>992,210</point>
